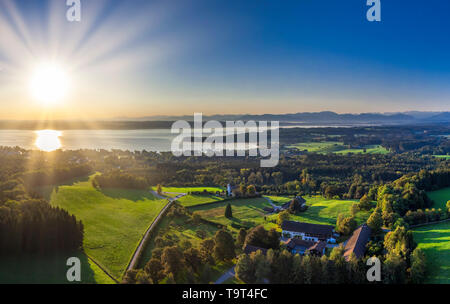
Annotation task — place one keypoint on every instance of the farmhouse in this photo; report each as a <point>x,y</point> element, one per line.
<point>357,243</point>
<point>318,248</point>
<point>296,245</point>
<point>308,232</point>
<point>300,199</point>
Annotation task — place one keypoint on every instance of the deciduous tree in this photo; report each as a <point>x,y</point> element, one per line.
<point>223,246</point>
<point>375,222</point>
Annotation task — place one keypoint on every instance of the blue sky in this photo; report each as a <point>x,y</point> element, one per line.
<point>138,58</point>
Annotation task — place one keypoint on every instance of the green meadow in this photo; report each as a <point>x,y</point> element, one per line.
<point>249,212</point>
<point>325,211</point>
<point>318,147</point>
<point>440,197</point>
<point>279,200</point>
<point>337,147</point>
<point>246,212</point>
<point>114,220</point>
<point>48,270</point>
<point>434,240</point>
<point>190,199</point>
<point>193,200</point>
<point>371,149</point>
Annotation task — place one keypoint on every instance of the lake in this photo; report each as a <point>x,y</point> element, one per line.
<point>150,140</point>
<point>157,140</point>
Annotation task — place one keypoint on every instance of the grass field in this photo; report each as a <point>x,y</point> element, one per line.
<point>435,242</point>
<point>374,149</point>
<point>192,200</point>
<point>442,156</point>
<point>336,147</point>
<point>48,270</point>
<point>114,220</point>
<point>246,212</point>
<point>440,197</point>
<point>325,211</point>
<point>250,211</point>
<point>318,147</point>
<point>279,200</point>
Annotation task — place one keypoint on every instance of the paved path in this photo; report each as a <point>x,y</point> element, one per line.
<point>157,195</point>
<point>226,276</point>
<point>140,248</point>
<point>275,207</point>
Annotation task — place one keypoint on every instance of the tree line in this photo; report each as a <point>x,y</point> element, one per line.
<point>28,223</point>
<point>119,179</point>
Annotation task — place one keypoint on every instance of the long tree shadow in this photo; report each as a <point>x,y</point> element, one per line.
<point>47,191</point>
<point>129,194</point>
<point>48,269</point>
<point>313,213</point>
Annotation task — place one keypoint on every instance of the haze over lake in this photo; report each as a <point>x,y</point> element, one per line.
<point>150,140</point>
<point>157,140</point>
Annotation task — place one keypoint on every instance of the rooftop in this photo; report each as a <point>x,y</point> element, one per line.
<point>357,243</point>
<point>250,248</point>
<point>307,228</point>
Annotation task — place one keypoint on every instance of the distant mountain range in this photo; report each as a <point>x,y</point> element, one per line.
<point>325,117</point>
<point>298,119</point>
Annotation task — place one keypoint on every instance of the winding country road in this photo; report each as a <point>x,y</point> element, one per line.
<point>137,253</point>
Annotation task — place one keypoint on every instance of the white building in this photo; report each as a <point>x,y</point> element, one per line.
<point>308,232</point>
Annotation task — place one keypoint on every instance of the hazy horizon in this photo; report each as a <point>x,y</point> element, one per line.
<point>124,118</point>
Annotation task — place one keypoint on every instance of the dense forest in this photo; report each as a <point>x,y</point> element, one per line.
<point>34,227</point>
<point>30,225</point>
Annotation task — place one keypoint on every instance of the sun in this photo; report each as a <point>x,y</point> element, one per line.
<point>49,83</point>
<point>48,140</point>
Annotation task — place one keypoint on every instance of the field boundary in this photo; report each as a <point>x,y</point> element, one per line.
<point>138,250</point>
<point>222,201</point>
<point>101,267</point>
<point>429,223</point>
<point>135,258</point>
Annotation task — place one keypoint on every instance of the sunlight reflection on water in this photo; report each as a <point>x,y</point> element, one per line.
<point>48,140</point>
